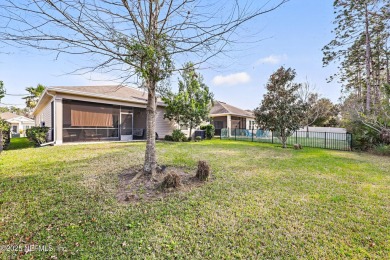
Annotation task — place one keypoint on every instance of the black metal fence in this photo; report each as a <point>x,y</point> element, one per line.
<point>326,140</point>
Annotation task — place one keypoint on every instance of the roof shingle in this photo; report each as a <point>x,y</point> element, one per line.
<point>223,108</point>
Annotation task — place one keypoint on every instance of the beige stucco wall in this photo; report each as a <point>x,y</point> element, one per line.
<point>163,126</point>
<point>44,116</point>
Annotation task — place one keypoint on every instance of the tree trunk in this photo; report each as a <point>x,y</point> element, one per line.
<point>190,130</point>
<point>387,67</point>
<point>368,62</point>
<point>284,139</point>
<point>307,130</point>
<point>150,163</point>
<point>1,140</point>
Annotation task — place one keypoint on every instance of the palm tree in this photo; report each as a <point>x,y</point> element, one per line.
<point>34,95</point>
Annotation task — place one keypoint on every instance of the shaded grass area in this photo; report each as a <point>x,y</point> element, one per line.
<point>20,143</point>
<point>264,202</point>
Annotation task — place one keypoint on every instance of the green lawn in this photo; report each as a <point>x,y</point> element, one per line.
<point>263,202</point>
<point>20,143</point>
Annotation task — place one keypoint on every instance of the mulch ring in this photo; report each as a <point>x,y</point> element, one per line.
<point>135,186</point>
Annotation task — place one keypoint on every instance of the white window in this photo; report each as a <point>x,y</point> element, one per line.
<point>251,124</point>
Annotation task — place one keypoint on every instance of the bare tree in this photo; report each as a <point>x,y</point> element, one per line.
<point>316,106</point>
<point>139,40</point>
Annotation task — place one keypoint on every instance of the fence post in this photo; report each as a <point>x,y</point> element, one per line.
<point>220,135</point>
<point>296,137</point>
<point>272,136</point>
<point>350,146</point>
<point>325,140</point>
<point>252,134</point>
<point>235,133</point>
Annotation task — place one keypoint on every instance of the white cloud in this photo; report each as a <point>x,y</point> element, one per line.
<point>272,59</point>
<point>232,79</point>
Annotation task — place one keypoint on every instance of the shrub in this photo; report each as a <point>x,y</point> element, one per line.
<point>210,130</point>
<point>382,149</point>
<point>37,134</point>
<point>363,138</point>
<point>171,180</point>
<point>203,171</point>
<point>178,136</point>
<point>198,139</point>
<point>168,138</point>
<point>5,131</point>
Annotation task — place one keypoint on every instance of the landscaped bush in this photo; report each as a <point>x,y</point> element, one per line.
<point>178,136</point>
<point>198,139</point>
<point>382,149</point>
<point>168,138</point>
<point>210,130</point>
<point>37,134</point>
<point>5,131</point>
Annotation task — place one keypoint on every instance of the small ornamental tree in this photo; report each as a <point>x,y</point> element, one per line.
<point>281,110</point>
<point>191,105</point>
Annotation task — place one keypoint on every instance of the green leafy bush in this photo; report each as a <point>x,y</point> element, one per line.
<point>198,139</point>
<point>210,130</point>
<point>168,138</point>
<point>382,149</point>
<point>178,136</point>
<point>363,138</point>
<point>37,134</point>
<point>5,129</point>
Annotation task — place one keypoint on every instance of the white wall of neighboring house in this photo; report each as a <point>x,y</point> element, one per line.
<point>325,129</point>
<point>19,125</point>
<point>250,123</point>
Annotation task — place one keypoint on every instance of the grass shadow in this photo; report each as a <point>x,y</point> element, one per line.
<point>18,143</point>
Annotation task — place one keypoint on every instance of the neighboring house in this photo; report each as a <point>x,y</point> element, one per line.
<point>19,124</point>
<point>223,115</point>
<point>97,113</point>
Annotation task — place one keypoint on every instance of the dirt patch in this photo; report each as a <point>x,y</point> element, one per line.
<point>135,186</point>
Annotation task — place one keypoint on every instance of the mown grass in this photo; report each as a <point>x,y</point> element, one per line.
<point>20,143</point>
<point>264,202</point>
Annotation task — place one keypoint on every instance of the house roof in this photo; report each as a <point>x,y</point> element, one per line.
<point>11,117</point>
<point>113,91</point>
<point>222,108</point>
<point>8,115</point>
<point>109,92</point>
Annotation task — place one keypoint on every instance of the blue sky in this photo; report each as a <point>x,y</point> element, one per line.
<point>293,36</point>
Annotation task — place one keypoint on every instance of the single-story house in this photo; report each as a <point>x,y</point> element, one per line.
<point>95,113</point>
<point>19,124</point>
<point>223,115</point>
